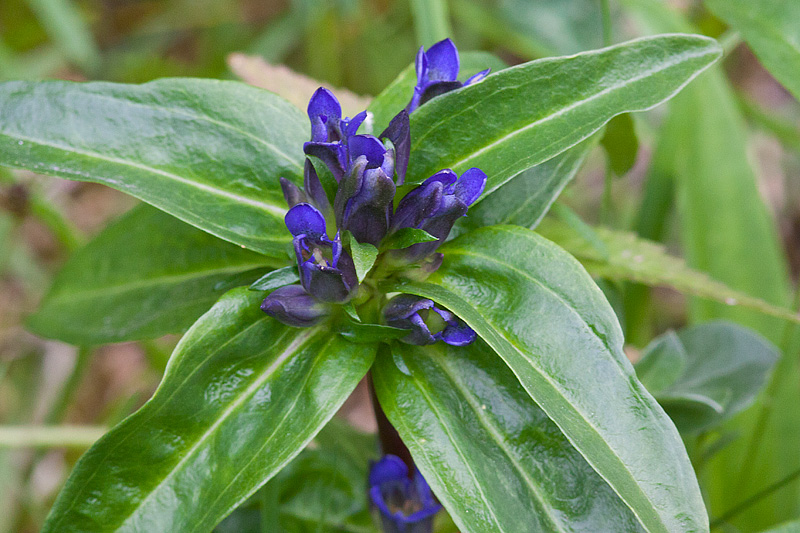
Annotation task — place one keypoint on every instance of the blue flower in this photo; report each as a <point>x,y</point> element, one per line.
<point>414,313</point>
<point>435,206</point>
<point>330,132</point>
<point>437,73</point>
<point>363,203</point>
<point>293,306</point>
<point>326,270</point>
<point>405,505</point>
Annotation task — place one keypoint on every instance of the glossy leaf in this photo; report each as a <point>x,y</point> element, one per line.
<point>532,112</point>
<point>626,257</point>
<point>723,368</point>
<point>541,312</point>
<point>146,275</point>
<point>490,454</point>
<point>397,94</point>
<point>241,396</point>
<point>525,199</point>
<point>208,152</point>
<point>772,29</point>
<point>405,237</point>
<point>276,279</point>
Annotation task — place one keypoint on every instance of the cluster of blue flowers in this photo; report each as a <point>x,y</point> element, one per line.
<point>367,171</point>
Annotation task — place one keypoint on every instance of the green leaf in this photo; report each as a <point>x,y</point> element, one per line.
<point>405,237</point>
<point>724,368</point>
<point>431,22</point>
<point>772,29</point>
<point>542,313</point>
<point>242,395</point>
<point>146,275</point>
<point>276,279</point>
<point>787,527</point>
<point>208,152</point>
<point>621,143</point>
<point>364,255</point>
<point>525,199</point>
<point>65,25</point>
<point>397,94</point>
<point>369,333</point>
<point>492,457</point>
<point>662,362</point>
<point>524,115</point>
<point>630,258</point>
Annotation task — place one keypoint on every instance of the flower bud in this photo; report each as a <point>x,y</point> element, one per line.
<point>293,306</point>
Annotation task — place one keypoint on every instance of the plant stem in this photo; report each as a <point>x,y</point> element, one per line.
<point>605,9</point>
<point>49,436</point>
<point>755,498</point>
<point>391,443</point>
<point>431,21</point>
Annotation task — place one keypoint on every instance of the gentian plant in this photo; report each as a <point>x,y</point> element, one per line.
<point>494,359</point>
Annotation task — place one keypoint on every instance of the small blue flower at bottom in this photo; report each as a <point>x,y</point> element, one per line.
<point>405,505</point>
<point>421,315</point>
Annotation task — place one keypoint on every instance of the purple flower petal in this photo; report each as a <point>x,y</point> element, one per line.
<point>293,306</point>
<point>399,132</point>
<point>369,146</point>
<point>325,113</point>
<point>292,193</point>
<point>443,63</point>
<point>352,125</point>
<point>470,186</point>
<point>305,219</point>
<point>389,468</point>
<point>477,77</point>
<point>313,188</point>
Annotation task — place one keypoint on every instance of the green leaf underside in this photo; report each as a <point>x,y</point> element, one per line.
<point>397,94</point>
<point>524,115</point>
<point>146,275</point>
<point>631,258</point>
<point>724,367</point>
<point>492,456</point>
<point>620,143</point>
<point>540,311</point>
<point>208,152</point>
<point>405,237</point>
<point>363,254</point>
<point>241,396</point>
<point>526,197</point>
<point>276,279</point>
<point>772,29</point>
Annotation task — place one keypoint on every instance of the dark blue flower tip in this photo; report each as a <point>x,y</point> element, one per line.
<point>292,193</point>
<point>427,321</point>
<point>293,306</point>
<point>369,147</point>
<point>305,220</point>
<point>437,73</point>
<point>332,154</point>
<point>313,188</point>
<point>399,133</point>
<point>325,114</point>
<point>405,505</point>
<point>435,206</point>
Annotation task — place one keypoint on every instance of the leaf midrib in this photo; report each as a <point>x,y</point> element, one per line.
<point>497,437</point>
<point>270,209</point>
<point>675,60</point>
<point>251,389</point>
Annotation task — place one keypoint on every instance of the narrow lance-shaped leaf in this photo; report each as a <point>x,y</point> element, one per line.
<point>209,152</point>
<point>523,115</point>
<point>526,197</point>
<point>241,396</point>
<point>772,29</point>
<point>495,460</point>
<point>541,312</point>
<point>146,275</point>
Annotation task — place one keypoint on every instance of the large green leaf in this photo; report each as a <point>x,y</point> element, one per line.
<point>707,373</point>
<point>526,197</point>
<point>397,94</point>
<point>492,456</point>
<point>146,275</point>
<point>241,396</point>
<point>772,29</point>
<point>209,152</point>
<point>540,311</point>
<point>524,115</point>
